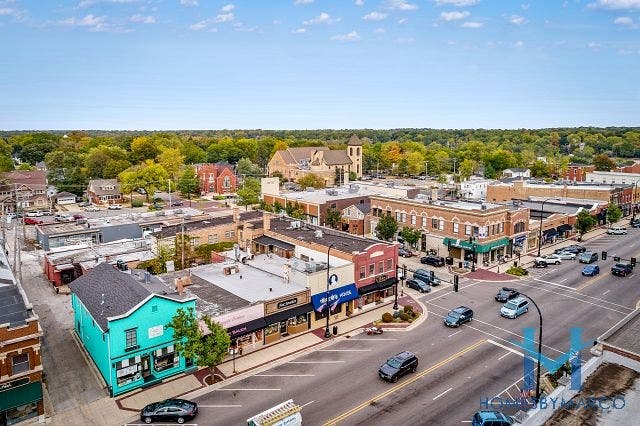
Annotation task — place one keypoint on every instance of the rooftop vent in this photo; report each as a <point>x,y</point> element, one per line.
<point>295,224</point>
<point>310,189</point>
<point>318,233</point>
<point>353,188</point>
<point>483,207</point>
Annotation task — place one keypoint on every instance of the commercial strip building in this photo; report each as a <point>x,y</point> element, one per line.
<point>120,319</point>
<point>20,351</point>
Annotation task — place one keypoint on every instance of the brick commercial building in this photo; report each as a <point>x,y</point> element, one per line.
<point>447,226</point>
<point>20,351</point>
<point>577,172</point>
<point>217,178</point>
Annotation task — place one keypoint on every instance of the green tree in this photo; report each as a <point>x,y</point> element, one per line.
<point>149,176</point>
<point>207,349</point>
<point>539,169</point>
<point>144,148</point>
<point>333,218</point>
<point>467,168</point>
<point>247,168</point>
<point>311,180</point>
<point>614,213</point>
<point>386,227</point>
<point>193,153</point>
<point>585,222</point>
<point>183,249</point>
<point>188,184</point>
<point>6,163</point>
<point>602,162</point>
<point>249,194</point>
<point>353,176</point>
<point>103,157</point>
<point>172,160</point>
<point>410,235</point>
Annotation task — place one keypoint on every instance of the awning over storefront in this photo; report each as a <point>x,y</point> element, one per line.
<point>20,395</point>
<point>519,240</point>
<point>550,232</point>
<point>336,296</point>
<point>480,247</point>
<point>563,228</point>
<point>377,286</point>
<point>268,241</point>
<point>289,313</point>
<point>246,328</point>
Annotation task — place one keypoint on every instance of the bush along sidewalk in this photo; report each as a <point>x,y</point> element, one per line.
<point>407,314</point>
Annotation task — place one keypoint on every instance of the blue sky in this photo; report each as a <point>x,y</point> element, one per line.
<point>308,64</point>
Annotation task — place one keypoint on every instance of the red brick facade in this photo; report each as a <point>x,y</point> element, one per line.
<point>578,172</point>
<point>216,179</point>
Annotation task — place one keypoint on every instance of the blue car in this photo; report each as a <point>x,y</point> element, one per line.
<point>590,270</point>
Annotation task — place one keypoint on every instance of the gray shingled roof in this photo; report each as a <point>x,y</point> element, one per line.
<point>336,157</point>
<point>305,152</point>
<point>121,292</point>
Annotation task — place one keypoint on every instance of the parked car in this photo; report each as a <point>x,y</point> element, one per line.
<point>84,203</point>
<point>427,276</point>
<point>63,218</point>
<point>91,208</point>
<point>617,230</point>
<point>398,366</point>
<point>177,203</point>
<point>419,285</point>
<point>114,207</point>
<point>541,264</point>
<point>432,260</point>
<point>635,224</point>
<point>32,214</point>
<point>156,206</point>
<point>32,221</point>
<point>490,418</point>
<point>514,308</point>
<point>588,257</point>
<point>566,255</point>
<point>78,216</point>
<point>458,316</point>
<point>574,248</point>
<point>169,410</point>
<point>505,294</point>
<point>590,270</point>
<point>622,269</point>
<point>403,252</point>
<point>549,259</point>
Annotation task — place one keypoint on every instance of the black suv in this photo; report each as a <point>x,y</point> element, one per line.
<point>505,294</point>
<point>432,260</point>
<point>458,316</point>
<point>419,285</point>
<point>427,276</point>
<point>397,366</point>
<point>574,248</point>
<point>622,269</point>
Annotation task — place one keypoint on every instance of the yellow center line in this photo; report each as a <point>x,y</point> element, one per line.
<point>397,387</point>
<point>593,280</point>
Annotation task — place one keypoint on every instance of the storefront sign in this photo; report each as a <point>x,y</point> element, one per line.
<point>240,316</point>
<point>336,296</point>
<point>381,278</point>
<point>155,331</point>
<point>19,382</point>
<point>286,303</point>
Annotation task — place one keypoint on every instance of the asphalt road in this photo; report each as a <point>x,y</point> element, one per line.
<point>458,367</point>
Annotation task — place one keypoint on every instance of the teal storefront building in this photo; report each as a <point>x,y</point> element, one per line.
<point>120,320</point>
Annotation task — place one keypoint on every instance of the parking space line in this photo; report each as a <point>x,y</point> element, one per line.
<point>563,280</point>
<point>507,392</point>
<point>453,334</point>
<point>308,403</point>
<point>314,362</point>
<point>344,350</point>
<point>502,356</point>
<point>284,375</point>
<point>372,339</point>
<point>606,292</point>
<point>441,394</point>
<point>219,406</point>
<point>249,389</point>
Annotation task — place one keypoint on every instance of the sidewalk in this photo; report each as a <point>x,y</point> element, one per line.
<point>110,411</point>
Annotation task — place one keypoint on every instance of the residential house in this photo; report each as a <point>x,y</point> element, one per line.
<point>475,188</point>
<point>63,198</point>
<point>24,190</point>
<point>120,319</point>
<point>20,351</point>
<point>104,191</point>
<point>217,178</point>
<point>516,172</point>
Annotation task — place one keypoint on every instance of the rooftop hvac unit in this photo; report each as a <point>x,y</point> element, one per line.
<point>229,270</point>
<point>310,189</point>
<point>318,233</point>
<point>295,224</point>
<point>483,207</point>
<point>332,191</point>
<point>353,188</point>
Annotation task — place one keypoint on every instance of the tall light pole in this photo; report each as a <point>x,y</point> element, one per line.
<point>327,333</point>
<point>633,207</point>
<point>426,169</point>
<point>539,345</point>
<point>540,230</point>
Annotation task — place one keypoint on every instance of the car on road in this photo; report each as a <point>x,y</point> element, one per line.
<point>458,316</point>
<point>617,230</point>
<point>63,218</point>
<point>588,257</point>
<point>91,208</point>
<point>622,269</point>
<point>432,260</point>
<point>635,224</point>
<point>169,410</point>
<point>566,255</point>
<point>114,207</point>
<point>32,221</point>
<point>33,214</point>
<point>84,203</point>
<point>419,285</point>
<point>590,270</point>
<point>78,216</point>
<point>490,418</point>
<point>549,259</point>
<point>514,308</point>
<point>505,294</point>
<point>403,252</point>
<point>573,248</point>
<point>427,276</point>
<point>177,203</point>
<point>156,206</point>
<point>397,366</point>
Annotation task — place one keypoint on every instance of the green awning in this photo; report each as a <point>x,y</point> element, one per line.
<point>20,395</point>
<point>480,247</point>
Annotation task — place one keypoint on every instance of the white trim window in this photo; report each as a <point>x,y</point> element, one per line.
<point>455,227</point>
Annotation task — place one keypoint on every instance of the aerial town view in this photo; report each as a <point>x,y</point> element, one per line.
<point>319,212</point>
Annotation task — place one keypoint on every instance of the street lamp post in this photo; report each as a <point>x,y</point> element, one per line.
<point>327,333</point>
<point>539,345</point>
<point>540,230</point>
<point>633,207</point>
<point>426,170</point>
<point>474,246</point>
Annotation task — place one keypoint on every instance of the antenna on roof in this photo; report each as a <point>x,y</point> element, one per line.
<point>102,305</point>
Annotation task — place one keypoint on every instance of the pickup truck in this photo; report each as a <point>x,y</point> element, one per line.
<point>63,218</point>
<point>622,269</point>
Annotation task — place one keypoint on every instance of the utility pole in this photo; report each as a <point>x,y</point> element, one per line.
<point>169,180</point>
<point>182,236</point>
<point>426,169</point>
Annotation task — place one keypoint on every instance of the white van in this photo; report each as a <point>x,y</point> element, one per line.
<point>617,230</point>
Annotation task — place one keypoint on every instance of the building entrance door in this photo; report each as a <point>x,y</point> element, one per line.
<point>283,328</point>
<point>146,367</point>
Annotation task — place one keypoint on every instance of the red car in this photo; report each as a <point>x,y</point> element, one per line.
<point>32,221</point>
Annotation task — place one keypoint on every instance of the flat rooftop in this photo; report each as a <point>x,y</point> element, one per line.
<point>13,302</point>
<point>321,196</point>
<point>626,337</point>
<point>457,205</point>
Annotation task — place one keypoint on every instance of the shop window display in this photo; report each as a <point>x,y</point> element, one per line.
<point>128,370</point>
<point>272,329</point>
<point>165,359</point>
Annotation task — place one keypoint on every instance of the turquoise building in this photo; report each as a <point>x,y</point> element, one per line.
<point>120,319</point>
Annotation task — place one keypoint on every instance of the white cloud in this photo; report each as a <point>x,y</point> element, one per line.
<point>224,17</point>
<point>517,19</point>
<point>458,3</point>
<point>594,46</point>
<point>199,25</point>
<point>405,40</point>
<point>359,2</point>
<point>524,6</point>
<point>323,18</point>
<point>623,20</point>
<point>87,3</point>
<point>143,19</point>
<point>518,43</point>
<point>227,8</point>
<point>299,31</point>
<point>453,16</point>
<point>401,5</point>
<point>92,23</point>
<point>472,25</point>
<point>352,36</point>
<point>616,4</point>
<point>6,11</point>
<point>189,3</point>
<point>299,2</point>
<point>375,16</point>
<point>379,31</point>
<point>239,26</point>
<point>403,21</point>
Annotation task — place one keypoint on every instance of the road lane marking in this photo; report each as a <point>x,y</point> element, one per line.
<point>284,375</point>
<point>453,334</point>
<point>314,362</point>
<point>399,386</point>
<point>219,406</point>
<point>514,383</point>
<point>552,283</point>
<point>592,281</point>
<point>249,389</point>
<point>440,394</point>
<point>606,292</point>
<point>308,403</point>
<point>507,348</point>
<point>373,339</point>
<point>563,280</point>
<point>344,350</point>
<point>581,300</point>
<point>502,356</point>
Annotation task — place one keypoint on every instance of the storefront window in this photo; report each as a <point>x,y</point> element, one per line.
<point>21,413</point>
<point>301,319</point>
<point>128,370</point>
<point>272,329</point>
<point>165,359</point>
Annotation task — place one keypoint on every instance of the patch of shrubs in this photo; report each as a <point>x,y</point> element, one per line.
<point>387,317</point>
<point>517,271</point>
